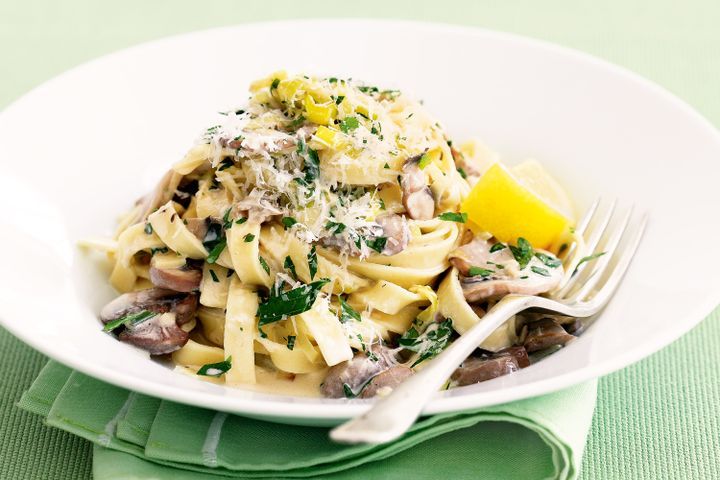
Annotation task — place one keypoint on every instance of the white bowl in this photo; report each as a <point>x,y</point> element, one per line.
<point>79,149</point>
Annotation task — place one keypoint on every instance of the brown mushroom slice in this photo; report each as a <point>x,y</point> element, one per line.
<point>354,374</point>
<point>416,195</point>
<point>499,272</point>
<point>396,231</point>
<point>197,226</point>
<point>184,279</point>
<point>472,172</point>
<point>158,335</point>
<point>385,381</point>
<point>545,333</point>
<point>260,142</point>
<point>479,369</point>
<point>161,194</point>
<point>158,300</point>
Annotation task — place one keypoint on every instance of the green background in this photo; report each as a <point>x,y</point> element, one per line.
<point>657,419</point>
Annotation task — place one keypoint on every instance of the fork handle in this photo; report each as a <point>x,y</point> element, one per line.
<point>392,416</point>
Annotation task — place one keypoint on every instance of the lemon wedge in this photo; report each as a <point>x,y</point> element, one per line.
<point>524,201</point>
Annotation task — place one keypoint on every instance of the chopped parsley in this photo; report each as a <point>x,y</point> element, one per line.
<point>347,313</point>
<point>497,247</point>
<point>523,252</point>
<point>312,262</point>
<point>339,99</point>
<point>240,220</point>
<point>462,173</point>
<point>588,259</point>
<point>377,243</point>
<point>483,272</point>
<point>548,260</point>
<point>264,264</point>
<point>453,217</point>
<point>226,163</point>
<point>275,83</point>
<point>291,342</point>
<point>335,228</point>
<point>281,305</point>
<point>289,265</point>
<point>216,369</point>
<point>248,238</point>
<point>386,165</point>
<point>217,250</point>
<point>349,124</point>
<point>288,222</point>
<point>430,343</point>
<point>214,275</point>
<point>540,271</point>
<point>131,318</point>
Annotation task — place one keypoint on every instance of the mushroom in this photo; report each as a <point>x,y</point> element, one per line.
<point>158,335</point>
<point>395,229</point>
<point>163,193</point>
<point>416,195</point>
<point>364,371</point>
<point>184,279</point>
<point>197,226</point>
<point>479,369</point>
<point>158,300</point>
<point>472,172</point>
<point>488,271</point>
<point>387,380</point>
<point>545,333</point>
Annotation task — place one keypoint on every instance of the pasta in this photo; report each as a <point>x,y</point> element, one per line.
<point>319,232</point>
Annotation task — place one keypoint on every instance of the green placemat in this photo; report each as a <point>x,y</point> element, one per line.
<point>657,419</point>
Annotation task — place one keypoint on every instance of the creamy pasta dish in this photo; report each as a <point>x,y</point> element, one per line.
<point>329,238</point>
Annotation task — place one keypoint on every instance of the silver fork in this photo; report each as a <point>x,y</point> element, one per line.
<point>577,296</point>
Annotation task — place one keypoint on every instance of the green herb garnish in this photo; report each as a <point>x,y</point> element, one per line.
<point>349,124</point>
<point>540,271</point>
<point>588,259</point>
<point>291,342</point>
<point>216,250</point>
<point>497,247</point>
<point>248,238</point>
<point>339,99</point>
<point>548,260</point>
<point>288,222</point>
<point>347,313</point>
<point>214,276</point>
<point>312,262</point>
<point>462,172</point>
<point>148,229</point>
<point>281,305</point>
<point>377,243</point>
<point>335,228</point>
<point>289,265</point>
<point>264,264</point>
<point>424,161</point>
<point>483,272</point>
<point>132,318</point>
<point>453,217</point>
<point>216,369</point>
<point>275,83</point>
<point>428,344</point>
<point>523,252</point>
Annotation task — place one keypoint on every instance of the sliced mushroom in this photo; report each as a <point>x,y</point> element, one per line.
<point>356,374</point>
<point>158,335</point>
<point>158,300</point>
<point>472,172</point>
<point>395,229</point>
<point>385,381</point>
<point>478,369</point>
<point>184,279</point>
<point>416,195</point>
<point>498,273</point>
<point>163,192</point>
<point>545,333</point>
<point>197,226</point>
